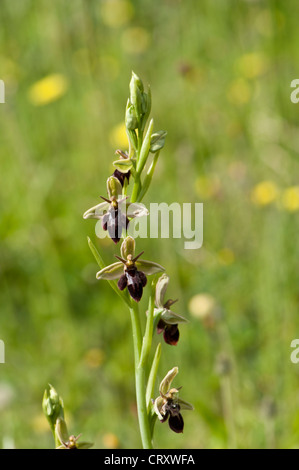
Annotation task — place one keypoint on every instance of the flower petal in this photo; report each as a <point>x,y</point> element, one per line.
<point>184,405</point>
<point>84,445</point>
<point>97,211</point>
<point>123,165</point>
<point>158,403</point>
<point>61,430</point>
<point>172,318</point>
<point>149,267</point>
<point>161,290</point>
<point>166,382</point>
<point>136,209</point>
<point>122,282</point>
<point>113,271</point>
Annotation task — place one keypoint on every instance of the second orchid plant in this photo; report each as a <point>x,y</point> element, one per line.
<point>128,275</point>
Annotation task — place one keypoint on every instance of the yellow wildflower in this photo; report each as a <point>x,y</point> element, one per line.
<point>118,137</point>
<point>205,308</point>
<point>135,40</point>
<point>264,193</point>
<point>239,92</point>
<point>264,23</point>
<point>116,13</point>
<point>110,441</point>
<point>207,186</point>
<point>226,256</point>
<point>48,89</point>
<point>39,423</point>
<point>110,65</point>
<point>94,357</point>
<point>252,65</point>
<point>290,199</point>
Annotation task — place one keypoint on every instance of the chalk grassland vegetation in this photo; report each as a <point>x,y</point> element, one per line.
<point>221,74</point>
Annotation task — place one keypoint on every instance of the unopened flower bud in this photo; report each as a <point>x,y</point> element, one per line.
<point>114,188</point>
<point>136,91</point>
<point>52,406</point>
<point>131,118</point>
<point>128,247</point>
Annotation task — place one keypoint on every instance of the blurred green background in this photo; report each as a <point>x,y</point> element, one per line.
<point>220,75</point>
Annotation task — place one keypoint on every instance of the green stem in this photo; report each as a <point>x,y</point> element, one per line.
<point>136,188</point>
<point>148,335</point>
<point>143,418</point>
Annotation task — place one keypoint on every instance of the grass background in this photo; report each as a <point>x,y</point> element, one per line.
<point>220,75</point>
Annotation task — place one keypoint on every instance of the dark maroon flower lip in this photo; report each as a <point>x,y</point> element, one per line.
<point>171,333</point>
<point>168,405</point>
<point>176,423</point>
<point>167,320</point>
<point>122,176</point>
<point>114,221</point>
<point>130,271</point>
<point>173,415</point>
<point>133,279</point>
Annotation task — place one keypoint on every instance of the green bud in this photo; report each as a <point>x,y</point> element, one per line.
<point>136,91</point>
<point>114,188</point>
<point>52,406</point>
<point>128,247</point>
<point>157,141</point>
<point>132,136</point>
<point>131,118</point>
<point>144,103</point>
<point>146,108</point>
